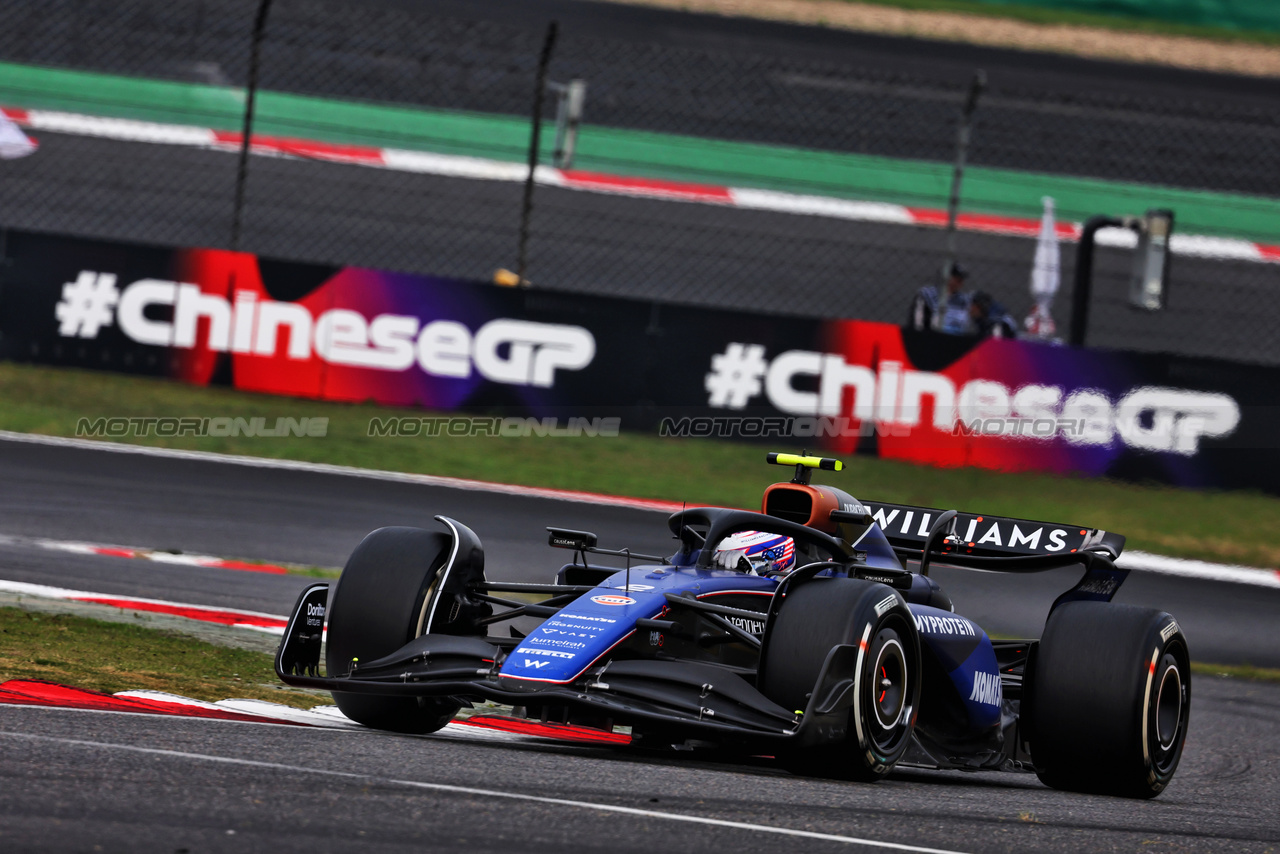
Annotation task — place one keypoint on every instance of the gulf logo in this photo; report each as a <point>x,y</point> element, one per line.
<point>610,599</point>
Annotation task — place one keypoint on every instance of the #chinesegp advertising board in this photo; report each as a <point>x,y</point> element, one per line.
<point>344,334</point>
<point>352,334</point>
<point>999,404</point>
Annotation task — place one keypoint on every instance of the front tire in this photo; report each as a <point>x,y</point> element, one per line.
<point>824,613</point>
<point>1109,700</point>
<point>377,607</point>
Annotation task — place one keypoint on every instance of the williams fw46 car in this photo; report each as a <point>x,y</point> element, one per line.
<point>797,633</point>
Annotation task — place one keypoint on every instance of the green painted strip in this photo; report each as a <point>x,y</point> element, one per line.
<point>910,182</point>
<point>120,97</point>
<point>1227,14</point>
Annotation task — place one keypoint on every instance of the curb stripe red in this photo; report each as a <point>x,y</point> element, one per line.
<point>191,612</point>
<point>271,623</point>
<point>161,556</point>
<point>621,185</point>
<point>38,692</point>
<point>670,190</point>
<point>563,732</point>
<point>33,692</point>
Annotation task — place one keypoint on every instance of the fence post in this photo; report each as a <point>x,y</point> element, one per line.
<point>1082,291</point>
<point>259,25</point>
<point>962,152</point>
<point>526,207</point>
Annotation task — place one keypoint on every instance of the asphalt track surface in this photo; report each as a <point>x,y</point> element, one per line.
<point>84,781</point>
<point>701,75</point>
<point>673,252</point>
<point>73,780</point>
<point>900,92</point>
<point>311,518</point>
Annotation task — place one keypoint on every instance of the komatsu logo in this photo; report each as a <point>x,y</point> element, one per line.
<point>986,689</point>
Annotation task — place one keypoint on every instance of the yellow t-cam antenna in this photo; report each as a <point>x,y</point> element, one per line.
<point>804,464</point>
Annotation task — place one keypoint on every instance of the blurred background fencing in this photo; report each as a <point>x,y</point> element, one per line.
<point>801,181</point>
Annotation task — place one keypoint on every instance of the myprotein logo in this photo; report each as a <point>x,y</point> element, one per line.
<point>931,625</point>
<point>804,383</point>
<point>514,352</point>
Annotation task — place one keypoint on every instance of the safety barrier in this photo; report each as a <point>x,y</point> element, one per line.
<point>537,362</point>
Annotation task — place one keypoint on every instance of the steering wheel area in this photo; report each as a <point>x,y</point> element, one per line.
<point>720,522</point>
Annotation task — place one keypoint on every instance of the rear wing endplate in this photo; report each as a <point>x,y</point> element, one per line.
<point>907,527</point>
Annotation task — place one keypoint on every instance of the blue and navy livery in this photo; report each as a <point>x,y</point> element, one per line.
<point>563,647</point>
<point>849,651</point>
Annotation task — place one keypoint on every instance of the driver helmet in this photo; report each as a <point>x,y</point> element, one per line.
<point>757,553</point>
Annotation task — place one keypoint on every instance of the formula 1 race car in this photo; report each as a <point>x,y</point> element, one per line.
<point>796,633</point>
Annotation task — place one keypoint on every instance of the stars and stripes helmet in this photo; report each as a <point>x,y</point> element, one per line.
<point>757,553</point>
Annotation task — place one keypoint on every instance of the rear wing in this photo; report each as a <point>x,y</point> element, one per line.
<point>907,527</point>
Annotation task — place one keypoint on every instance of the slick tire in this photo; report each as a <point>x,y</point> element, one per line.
<point>827,612</point>
<point>1109,700</point>
<point>376,608</point>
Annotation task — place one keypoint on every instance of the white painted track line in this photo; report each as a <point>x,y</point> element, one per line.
<point>295,770</point>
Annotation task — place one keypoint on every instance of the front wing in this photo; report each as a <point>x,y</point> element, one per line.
<point>693,698</point>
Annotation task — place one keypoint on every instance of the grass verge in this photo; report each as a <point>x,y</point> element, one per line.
<point>1236,671</point>
<point>1237,527</point>
<point>111,657</point>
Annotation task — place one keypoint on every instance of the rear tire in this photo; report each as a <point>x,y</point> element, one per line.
<point>819,615</point>
<point>1109,700</point>
<point>377,607</point>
